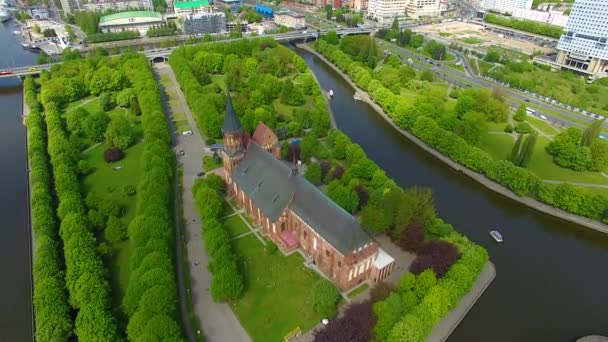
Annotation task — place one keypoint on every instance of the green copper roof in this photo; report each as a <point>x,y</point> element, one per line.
<point>231,120</point>
<point>130,14</point>
<point>191,4</point>
<point>273,186</point>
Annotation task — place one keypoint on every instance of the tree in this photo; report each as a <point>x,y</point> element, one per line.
<point>389,312</point>
<point>125,97</point>
<point>528,149</point>
<point>395,25</point>
<point>115,230</point>
<point>291,94</point>
<point>343,196</point>
<point>380,291</point>
<point>427,75</point>
<point>372,58</point>
<point>374,218</point>
<point>113,154</point>
<point>120,132</point>
<point>516,154</point>
<point>520,114</point>
<point>331,37</point>
<point>412,238</point>
<point>599,155</point>
<point>95,125</point>
<point>355,325</point>
<point>135,110</point>
<point>313,173</point>
<point>472,127</point>
<point>592,132</point>
<point>329,12</point>
<point>437,255</point>
<point>106,102</point>
<point>424,282</point>
<point>325,298</point>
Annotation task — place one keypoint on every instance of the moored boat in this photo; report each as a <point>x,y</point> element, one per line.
<point>496,235</point>
<point>5,14</point>
<point>331,93</point>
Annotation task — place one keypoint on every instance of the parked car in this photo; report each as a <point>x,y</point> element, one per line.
<point>187,133</point>
<point>182,152</point>
<point>543,117</point>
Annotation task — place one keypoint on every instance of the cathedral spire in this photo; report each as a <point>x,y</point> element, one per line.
<point>231,120</point>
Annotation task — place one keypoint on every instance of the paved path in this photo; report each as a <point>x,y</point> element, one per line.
<point>217,319</point>
<point>586,185</point>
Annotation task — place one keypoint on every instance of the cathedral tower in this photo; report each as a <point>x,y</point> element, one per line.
<point>234,148</point>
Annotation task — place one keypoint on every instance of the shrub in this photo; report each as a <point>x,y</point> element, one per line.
<point>84,168</point>
<point>106,102</point>
<point>438,255</point>
<point>325,297</point>
<point>113,154</point>
<point>523,128</point>
<point>509,128</point>
<point>115,230</point>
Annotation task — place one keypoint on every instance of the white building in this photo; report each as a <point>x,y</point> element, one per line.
<point>130,21</point>
<point>191,7</point>
<point>289,19</point>
<point>505,5</point>
<point>583,46</point>
<point>556,18</point>
<point>102,5</point>
<point>386,9</point>
<point>426,8</point>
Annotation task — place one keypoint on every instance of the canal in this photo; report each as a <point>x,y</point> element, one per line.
<point>15,287</point>
<point>551,282</point>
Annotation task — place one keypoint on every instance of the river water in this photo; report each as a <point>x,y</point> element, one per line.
<point>552,277</point>
<point>15,284</point>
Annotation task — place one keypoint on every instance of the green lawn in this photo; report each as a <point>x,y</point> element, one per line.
<point>542,125</point>
<point>277,292</point>
<point>472,40</point>
<point>498,145</point>
<point>542,164</point>
<point>78,103</point>
<point>496,126</point>
<point>235,226</point>
<point>283,109</point>
<point>104,181</point>
<point>357,291</point>
<point>179,116</point>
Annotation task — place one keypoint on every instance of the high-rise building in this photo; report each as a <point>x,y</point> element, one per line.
<point>386,9</point>
<point>426,8</point>
<point>201,23</point>
<point>583,46</point>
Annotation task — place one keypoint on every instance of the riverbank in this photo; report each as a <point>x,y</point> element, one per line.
<point>481,179</point>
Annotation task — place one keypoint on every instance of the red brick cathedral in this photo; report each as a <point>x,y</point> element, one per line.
<point>295,213</point>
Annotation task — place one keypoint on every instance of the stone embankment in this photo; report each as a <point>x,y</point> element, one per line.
<point>478,177</point>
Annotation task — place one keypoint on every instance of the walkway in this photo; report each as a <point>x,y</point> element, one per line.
<point>217,319</point>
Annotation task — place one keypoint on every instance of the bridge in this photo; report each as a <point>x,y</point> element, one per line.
<point>162,54</point>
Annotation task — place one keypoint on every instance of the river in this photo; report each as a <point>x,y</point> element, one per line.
<point>551,283</point>
<point>15,287</point>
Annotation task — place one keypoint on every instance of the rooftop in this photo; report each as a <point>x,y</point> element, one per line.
<point>130,14</point>
<point>273,186</point>
<point>231,120</point>
<point>191,4</point>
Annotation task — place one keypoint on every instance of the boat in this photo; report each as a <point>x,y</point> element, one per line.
<point>356,97</point>
<point>331,93</point>
<point>16,32</point>
<point>30,47</point>
<point>496,235</point>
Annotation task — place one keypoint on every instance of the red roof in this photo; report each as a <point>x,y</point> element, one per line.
<point>289,238</point>
<point>263,135</point>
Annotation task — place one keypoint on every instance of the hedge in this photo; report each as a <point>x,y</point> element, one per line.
<point>227,281</point>
<point>86,281</point>
<point>51,308</point>
<point>521,181</point>
<point>151,300</point>
<point>525,25</point>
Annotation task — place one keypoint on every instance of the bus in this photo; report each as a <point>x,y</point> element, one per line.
<point>530,111</point>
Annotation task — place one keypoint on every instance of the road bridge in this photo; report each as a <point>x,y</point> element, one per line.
<point>162,54</point>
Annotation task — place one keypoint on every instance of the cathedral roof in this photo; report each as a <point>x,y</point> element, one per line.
<point>273,186</point>
<point>231,120</point>
<point>263,135</point>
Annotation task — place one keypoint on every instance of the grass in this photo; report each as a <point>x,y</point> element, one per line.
<point>283,109</point>
<point>235,226</point>
<point>182,126</point>
<point>472,40</point>
<point>104,181</point>
<point>277,296</point>
<point>357,291</point>
<point>458,67</point>
<point>445,34</point>
<point>509,53</point>
<point>498,145</point>
<point>496,126</point>
<point>542,164</point>
<point>542,125</point>
<point>220,80</point>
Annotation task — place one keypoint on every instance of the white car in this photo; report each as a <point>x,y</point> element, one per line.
<point>543,117</point>
<point>187,133</point>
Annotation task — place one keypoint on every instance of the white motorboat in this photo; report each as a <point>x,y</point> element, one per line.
<point>16,32</point>
<point>5,14</point>
<point>331,93</point>
<point>356,97</point>
<point>496,235</point>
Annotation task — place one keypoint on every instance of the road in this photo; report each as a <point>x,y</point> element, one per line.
<point>516,97</point>
<point>217,319</point>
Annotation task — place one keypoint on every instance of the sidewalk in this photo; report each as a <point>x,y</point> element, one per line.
<point>218,322</point>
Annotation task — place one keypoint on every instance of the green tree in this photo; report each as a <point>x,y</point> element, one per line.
<point>343,196</point>
<point>332,38</point>
<point>599,155</point>
<point>374,218</point>
<point>120,132</point>
<point>424,282</point>
<point>516,151</point>
<point>325,298</point>
<point>106,102</point>
<point>313,173</point>
<point>592,132</point>
<point>520,114</point>
<point>427,75</point>
<point>115,230</point>
<point>528,149</point>
<point>95,125</point>
<point>472,127</point>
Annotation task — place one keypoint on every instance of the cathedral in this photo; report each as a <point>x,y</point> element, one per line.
<point>293,212</point>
